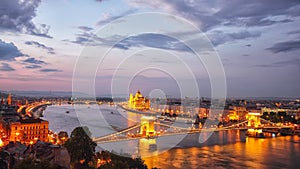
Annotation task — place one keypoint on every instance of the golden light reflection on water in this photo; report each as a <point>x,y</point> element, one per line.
<point>280,152</point>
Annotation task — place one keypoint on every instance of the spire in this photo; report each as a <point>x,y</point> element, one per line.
<point>9,99</point>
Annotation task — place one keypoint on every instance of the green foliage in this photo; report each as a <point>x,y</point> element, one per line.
<point>80,146</point>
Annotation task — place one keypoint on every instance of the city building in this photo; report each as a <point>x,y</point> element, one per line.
<point>237,112</point>
<point>28,130</point>
<point>138,101</point>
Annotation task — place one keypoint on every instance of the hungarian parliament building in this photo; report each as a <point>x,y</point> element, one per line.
<point>138,101</point>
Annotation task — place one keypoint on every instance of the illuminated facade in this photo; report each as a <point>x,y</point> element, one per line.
<point>28,131</point>
<point>9,99</point>
<point>138,102</point>
<point>237,113</point>
<point>253,119</point>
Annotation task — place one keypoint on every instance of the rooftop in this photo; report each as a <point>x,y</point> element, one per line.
<point>30,120</point>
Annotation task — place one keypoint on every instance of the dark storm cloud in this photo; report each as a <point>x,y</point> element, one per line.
<point>285,46</point>
<point>8,51</point>
<point>17,16</point>
<point>50,70</point>
<point>6,67</point>
<point>220,37</point>
<point>33,67</point>
<point>39,45</point>
<point>34,61</point>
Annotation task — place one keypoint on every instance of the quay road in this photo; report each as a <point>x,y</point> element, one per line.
<point>32,108</point>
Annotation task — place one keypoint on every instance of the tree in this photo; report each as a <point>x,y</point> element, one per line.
<point>62,136</point>
<point>3,159</point>
<point>32,164</point>
<point>80,146</point>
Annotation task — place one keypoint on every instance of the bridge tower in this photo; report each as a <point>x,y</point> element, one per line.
<point>147,126</point>
<point>253,119</point>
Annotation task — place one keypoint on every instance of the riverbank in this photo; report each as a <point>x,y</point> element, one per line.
<point>222,150</point>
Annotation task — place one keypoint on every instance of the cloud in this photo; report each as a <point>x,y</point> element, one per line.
<point>50,70</point>
<point>6,67</point>
<point>109,18</point>
<point>33,66</point>
<point>86,37</point>
<point>17,15</point>
<point>280,64</point>
<point>34,61</point>
<point>294,62</point>
<point>212,13</point>
<point>220,37</point>
<point>285,46</point>
<point>8,51</point>
<point>85,28</point>
<point>143,40</point>
<point>154,41</point>
<point>294,32</point>
<point>39,45</point>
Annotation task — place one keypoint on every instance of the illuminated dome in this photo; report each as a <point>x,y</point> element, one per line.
<point>138,94</point>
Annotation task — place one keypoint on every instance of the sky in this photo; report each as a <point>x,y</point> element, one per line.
<point>119,46</point>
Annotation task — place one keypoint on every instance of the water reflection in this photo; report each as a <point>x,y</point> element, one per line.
<point>280,152</point>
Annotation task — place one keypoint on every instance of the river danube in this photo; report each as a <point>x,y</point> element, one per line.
<point>230,149</point>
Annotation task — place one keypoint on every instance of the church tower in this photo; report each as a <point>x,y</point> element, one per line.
<point>9,99</point>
